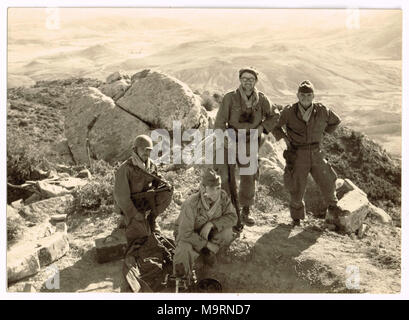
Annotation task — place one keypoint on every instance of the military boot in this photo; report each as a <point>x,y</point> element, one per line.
<point>245,216</point>
<point>333,213</point>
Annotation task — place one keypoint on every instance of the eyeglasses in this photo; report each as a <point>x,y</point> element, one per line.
<point>248,79</point>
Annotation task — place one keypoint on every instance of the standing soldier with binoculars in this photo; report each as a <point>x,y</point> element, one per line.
<point>245,108</point>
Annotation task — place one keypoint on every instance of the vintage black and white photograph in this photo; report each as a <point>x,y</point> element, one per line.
<point>204,150</point>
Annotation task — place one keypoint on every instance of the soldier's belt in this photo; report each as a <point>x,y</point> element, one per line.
<point>314,145</point>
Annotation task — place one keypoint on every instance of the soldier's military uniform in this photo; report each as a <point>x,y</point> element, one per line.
<point>235,114</point>
<point>193,216</point>
<point>304,155</point>
<point>129,179</point>
<point>145,261</point>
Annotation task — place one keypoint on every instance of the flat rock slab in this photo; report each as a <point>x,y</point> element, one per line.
<point>22,264</point>
<point>49,190</point>
<point>52,248</point>
<point>72,182</point>
<point>26,259</point>
<point>43,209</point>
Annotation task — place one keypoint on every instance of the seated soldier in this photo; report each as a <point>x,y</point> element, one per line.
<point>134,181</point>
<point>204,225</point>
<point>131,178</point>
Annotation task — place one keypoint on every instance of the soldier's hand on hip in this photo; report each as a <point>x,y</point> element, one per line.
<point>260,129</point>
<point>204,233</point>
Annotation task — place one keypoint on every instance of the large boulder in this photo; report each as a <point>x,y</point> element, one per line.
<point>86,106</point>
<point>42,210</point>
<point>22,263</point>
<point>112,135</point>
<point>95,127</point>
<point>159,99</point>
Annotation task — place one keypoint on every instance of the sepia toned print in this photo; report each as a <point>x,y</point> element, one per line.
<point>204,150</point>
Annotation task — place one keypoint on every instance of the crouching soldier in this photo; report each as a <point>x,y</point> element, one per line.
<point>306,122</point>
<point>204,225</point>
<point>140,195</point>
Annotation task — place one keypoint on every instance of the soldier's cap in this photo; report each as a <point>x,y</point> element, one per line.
<point>306,87</point>
<point>210,178</point>
<point>250,70</point>
<point>143,141</point>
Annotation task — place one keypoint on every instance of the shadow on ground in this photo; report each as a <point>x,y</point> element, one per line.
<point>274,264</point>
<point>86,275</point>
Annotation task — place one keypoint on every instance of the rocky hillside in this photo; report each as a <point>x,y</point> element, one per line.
<point>312,259</point>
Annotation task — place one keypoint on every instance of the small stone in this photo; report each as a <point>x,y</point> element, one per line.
<point>84,174</point>
<point>58,218</point>
<point>17,204</point>
<point>48,231</point>
<point>61,227</point>
<point>63,168</point>
<point>330,226</point>
<point>362,230</point>
<point>35,197</point>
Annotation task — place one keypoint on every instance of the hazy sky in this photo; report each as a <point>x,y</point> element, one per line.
<point>265,17</point>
